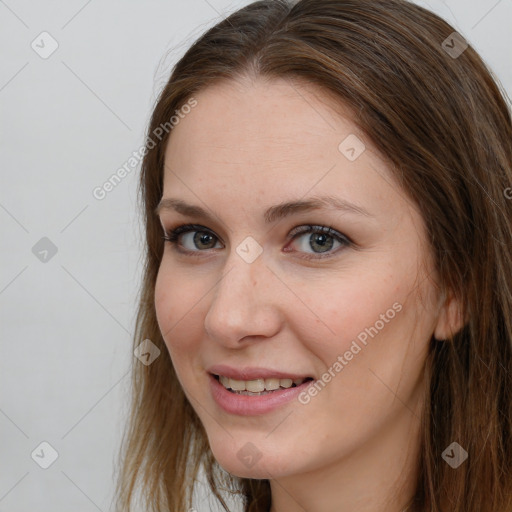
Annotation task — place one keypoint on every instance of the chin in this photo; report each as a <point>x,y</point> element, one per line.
<point>245,461</point>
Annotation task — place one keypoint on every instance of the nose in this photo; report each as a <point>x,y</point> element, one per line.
<point>245,303</point>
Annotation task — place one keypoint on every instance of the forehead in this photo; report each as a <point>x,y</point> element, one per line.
<point>279,114</point>
<point>270,129</point>
<point>248,142</point>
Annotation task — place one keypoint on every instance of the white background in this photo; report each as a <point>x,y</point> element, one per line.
<point>67,124</point>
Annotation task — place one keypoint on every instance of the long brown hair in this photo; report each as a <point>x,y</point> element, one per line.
<point>443,121</point>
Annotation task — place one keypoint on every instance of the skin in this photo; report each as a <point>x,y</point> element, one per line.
<point>250,144</point>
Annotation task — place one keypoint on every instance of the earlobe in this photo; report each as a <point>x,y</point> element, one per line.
<point>450,319</point>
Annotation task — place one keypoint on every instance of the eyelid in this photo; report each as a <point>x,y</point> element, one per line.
<point>172,235</point>
<point>318,228</point>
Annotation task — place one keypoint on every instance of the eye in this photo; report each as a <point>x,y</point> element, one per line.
<point>198,237</point>
<point>322,239</point>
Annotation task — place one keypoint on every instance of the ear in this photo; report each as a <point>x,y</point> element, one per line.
<point>450,319</point>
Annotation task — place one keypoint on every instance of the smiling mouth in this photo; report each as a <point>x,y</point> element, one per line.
<point>258,387</point>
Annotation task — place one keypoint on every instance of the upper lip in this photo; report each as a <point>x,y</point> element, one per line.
<point>252,373</point>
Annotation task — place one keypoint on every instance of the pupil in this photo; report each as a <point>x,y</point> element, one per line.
<point>320,239</point>
<point>202,238</point>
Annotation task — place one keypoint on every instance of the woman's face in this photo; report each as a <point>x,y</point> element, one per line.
<point>251,288</point>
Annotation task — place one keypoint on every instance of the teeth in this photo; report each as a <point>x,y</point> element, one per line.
<point>235,385</point>
<point>286,383</point>
<point>255,386</point>
<point>258,385</point>
<point>271,384</point>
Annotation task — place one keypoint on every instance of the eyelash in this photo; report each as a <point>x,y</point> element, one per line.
<point>173,235</point>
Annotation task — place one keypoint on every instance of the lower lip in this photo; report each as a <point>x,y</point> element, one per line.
<point>245,405</point>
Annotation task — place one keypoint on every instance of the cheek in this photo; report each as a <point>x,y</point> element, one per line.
<point>165,301</point>
<point>178,308</point>
<point>367,319</point>
<point>341,308</point>
<point>180,319</point>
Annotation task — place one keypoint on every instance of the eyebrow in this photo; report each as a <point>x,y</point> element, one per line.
<point>273,213</point>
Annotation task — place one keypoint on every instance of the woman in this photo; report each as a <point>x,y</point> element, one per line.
<point>326,189</point>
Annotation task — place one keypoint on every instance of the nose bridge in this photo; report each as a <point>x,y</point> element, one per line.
<point>242,300</point>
